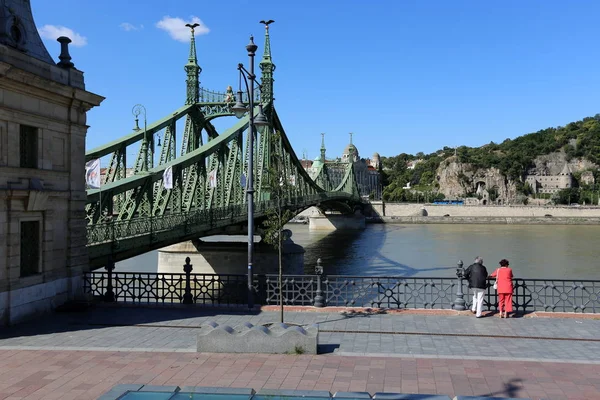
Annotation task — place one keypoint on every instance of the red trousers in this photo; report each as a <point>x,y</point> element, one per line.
<point>505,302</point>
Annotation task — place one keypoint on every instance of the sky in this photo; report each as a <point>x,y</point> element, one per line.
<point>404,76</point>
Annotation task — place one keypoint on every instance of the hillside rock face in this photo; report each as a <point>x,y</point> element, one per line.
<point>458,180</point>
<point>553,163</point>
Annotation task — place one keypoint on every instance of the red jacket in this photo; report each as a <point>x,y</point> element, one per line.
<point>504,278</point>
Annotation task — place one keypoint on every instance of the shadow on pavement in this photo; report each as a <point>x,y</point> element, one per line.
<point>327,348</point>
<point>94,316</point>
<point>511,389</point>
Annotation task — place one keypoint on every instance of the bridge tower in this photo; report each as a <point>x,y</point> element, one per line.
<point>43,108</point>
<point>193,71</point>
<point>267,67</point>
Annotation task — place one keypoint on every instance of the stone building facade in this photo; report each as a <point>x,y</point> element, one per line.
<point>551,183</point>
<point>43,108</point>
<point>368,176</point>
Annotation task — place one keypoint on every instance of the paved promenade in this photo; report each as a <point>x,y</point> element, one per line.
<point>82,355</point>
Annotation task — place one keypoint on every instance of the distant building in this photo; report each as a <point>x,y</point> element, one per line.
<point>413,164</point>
<point>103,171</point>
<point>551,183</point>
<point>366,170</point>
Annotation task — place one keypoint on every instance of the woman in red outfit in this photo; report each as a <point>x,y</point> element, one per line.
<point>504,276</point>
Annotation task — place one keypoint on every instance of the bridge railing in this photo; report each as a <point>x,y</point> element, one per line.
<point>211,96</point>
<point>551,295</point>
<point>113,231</point>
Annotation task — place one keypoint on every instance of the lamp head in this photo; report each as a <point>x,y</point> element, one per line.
<point>239,108</point>
<point>260,121</point>
<point>251,47</point>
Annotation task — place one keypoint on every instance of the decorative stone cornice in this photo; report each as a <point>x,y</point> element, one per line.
<point>22,81</point>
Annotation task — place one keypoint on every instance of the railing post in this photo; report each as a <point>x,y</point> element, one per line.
<point>320,301</point>
<point>109,296</point>
<point>187,296</point>
<point>459,302</point>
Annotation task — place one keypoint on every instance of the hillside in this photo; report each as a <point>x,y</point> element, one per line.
<point>512,160</point>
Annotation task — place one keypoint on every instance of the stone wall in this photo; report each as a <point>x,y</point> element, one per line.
<point>52,102</point>
<point>492,220</point>
<point>433,210</point>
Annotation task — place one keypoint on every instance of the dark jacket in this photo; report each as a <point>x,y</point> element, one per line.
<point>477,275</point>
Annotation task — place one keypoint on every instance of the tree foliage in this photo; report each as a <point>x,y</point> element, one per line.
<point>513,157</point>
<point>278,186</point>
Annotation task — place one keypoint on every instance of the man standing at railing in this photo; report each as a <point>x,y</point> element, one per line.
<point>476,274</point>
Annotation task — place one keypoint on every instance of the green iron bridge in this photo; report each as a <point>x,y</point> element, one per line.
<point>131,215</point>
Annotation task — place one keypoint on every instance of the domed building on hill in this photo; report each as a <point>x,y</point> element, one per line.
<point>366,170</point>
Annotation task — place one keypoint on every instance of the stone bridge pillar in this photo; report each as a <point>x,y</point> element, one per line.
<point>226,257</point>
<point>331,222</point>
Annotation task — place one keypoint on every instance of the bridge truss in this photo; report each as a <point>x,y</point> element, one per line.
<point>133,212</point>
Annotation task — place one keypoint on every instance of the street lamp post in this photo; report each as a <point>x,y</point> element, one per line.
<point>260,121</point>
<point>147,143</point>
<point>136,111</point>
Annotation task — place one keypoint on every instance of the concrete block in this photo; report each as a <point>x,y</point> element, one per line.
<point>400,396</point>
<point>118,391</point>
<point>248,338</point>
<point>484,398</point>
<point>286,393</point>
<point>352,395</point>
<point>238,392</point>
<point>161,389</point>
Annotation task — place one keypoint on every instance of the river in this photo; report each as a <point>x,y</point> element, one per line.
<point>536,251</point>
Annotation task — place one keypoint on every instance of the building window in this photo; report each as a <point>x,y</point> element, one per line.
<point>30,248</point>
<point>28,147</point>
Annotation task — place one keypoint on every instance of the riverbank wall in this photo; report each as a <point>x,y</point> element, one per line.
<point>403,213</point>
<point>487,220</point>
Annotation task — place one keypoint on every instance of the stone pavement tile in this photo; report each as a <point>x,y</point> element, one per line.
<point>184,369</point>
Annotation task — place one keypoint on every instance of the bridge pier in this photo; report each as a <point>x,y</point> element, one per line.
<point>332,222</point>
<point>230,258</point>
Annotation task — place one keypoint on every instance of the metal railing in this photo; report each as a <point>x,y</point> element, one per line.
<point>211,96</point>
<point>552,295</point>
<point>111,231</point>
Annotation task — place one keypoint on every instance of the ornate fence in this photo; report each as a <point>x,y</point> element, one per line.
<point>349,291</point>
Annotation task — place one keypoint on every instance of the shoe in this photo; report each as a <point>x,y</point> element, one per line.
<point>474,312</point>
<point>478,316</point>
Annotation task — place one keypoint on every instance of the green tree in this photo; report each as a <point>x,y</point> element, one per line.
<point>566,196</point>
<point>513,157</point>
<point>278,184</point>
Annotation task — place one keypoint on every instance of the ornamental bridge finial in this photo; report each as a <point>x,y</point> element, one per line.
<point>192,70</point>
<point>267,66</point>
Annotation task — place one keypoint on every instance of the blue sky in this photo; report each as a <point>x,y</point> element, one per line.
<point>404,76</point>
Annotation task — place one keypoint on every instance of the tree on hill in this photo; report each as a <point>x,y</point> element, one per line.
<point>513,157</point>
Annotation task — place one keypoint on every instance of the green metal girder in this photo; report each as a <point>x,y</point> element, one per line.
<point>147,200</point>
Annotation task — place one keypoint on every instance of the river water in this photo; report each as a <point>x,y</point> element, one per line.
<point>534,251</point>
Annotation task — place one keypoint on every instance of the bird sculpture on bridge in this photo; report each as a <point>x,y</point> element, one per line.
<point>192,26</point>
<point>267,23</point>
